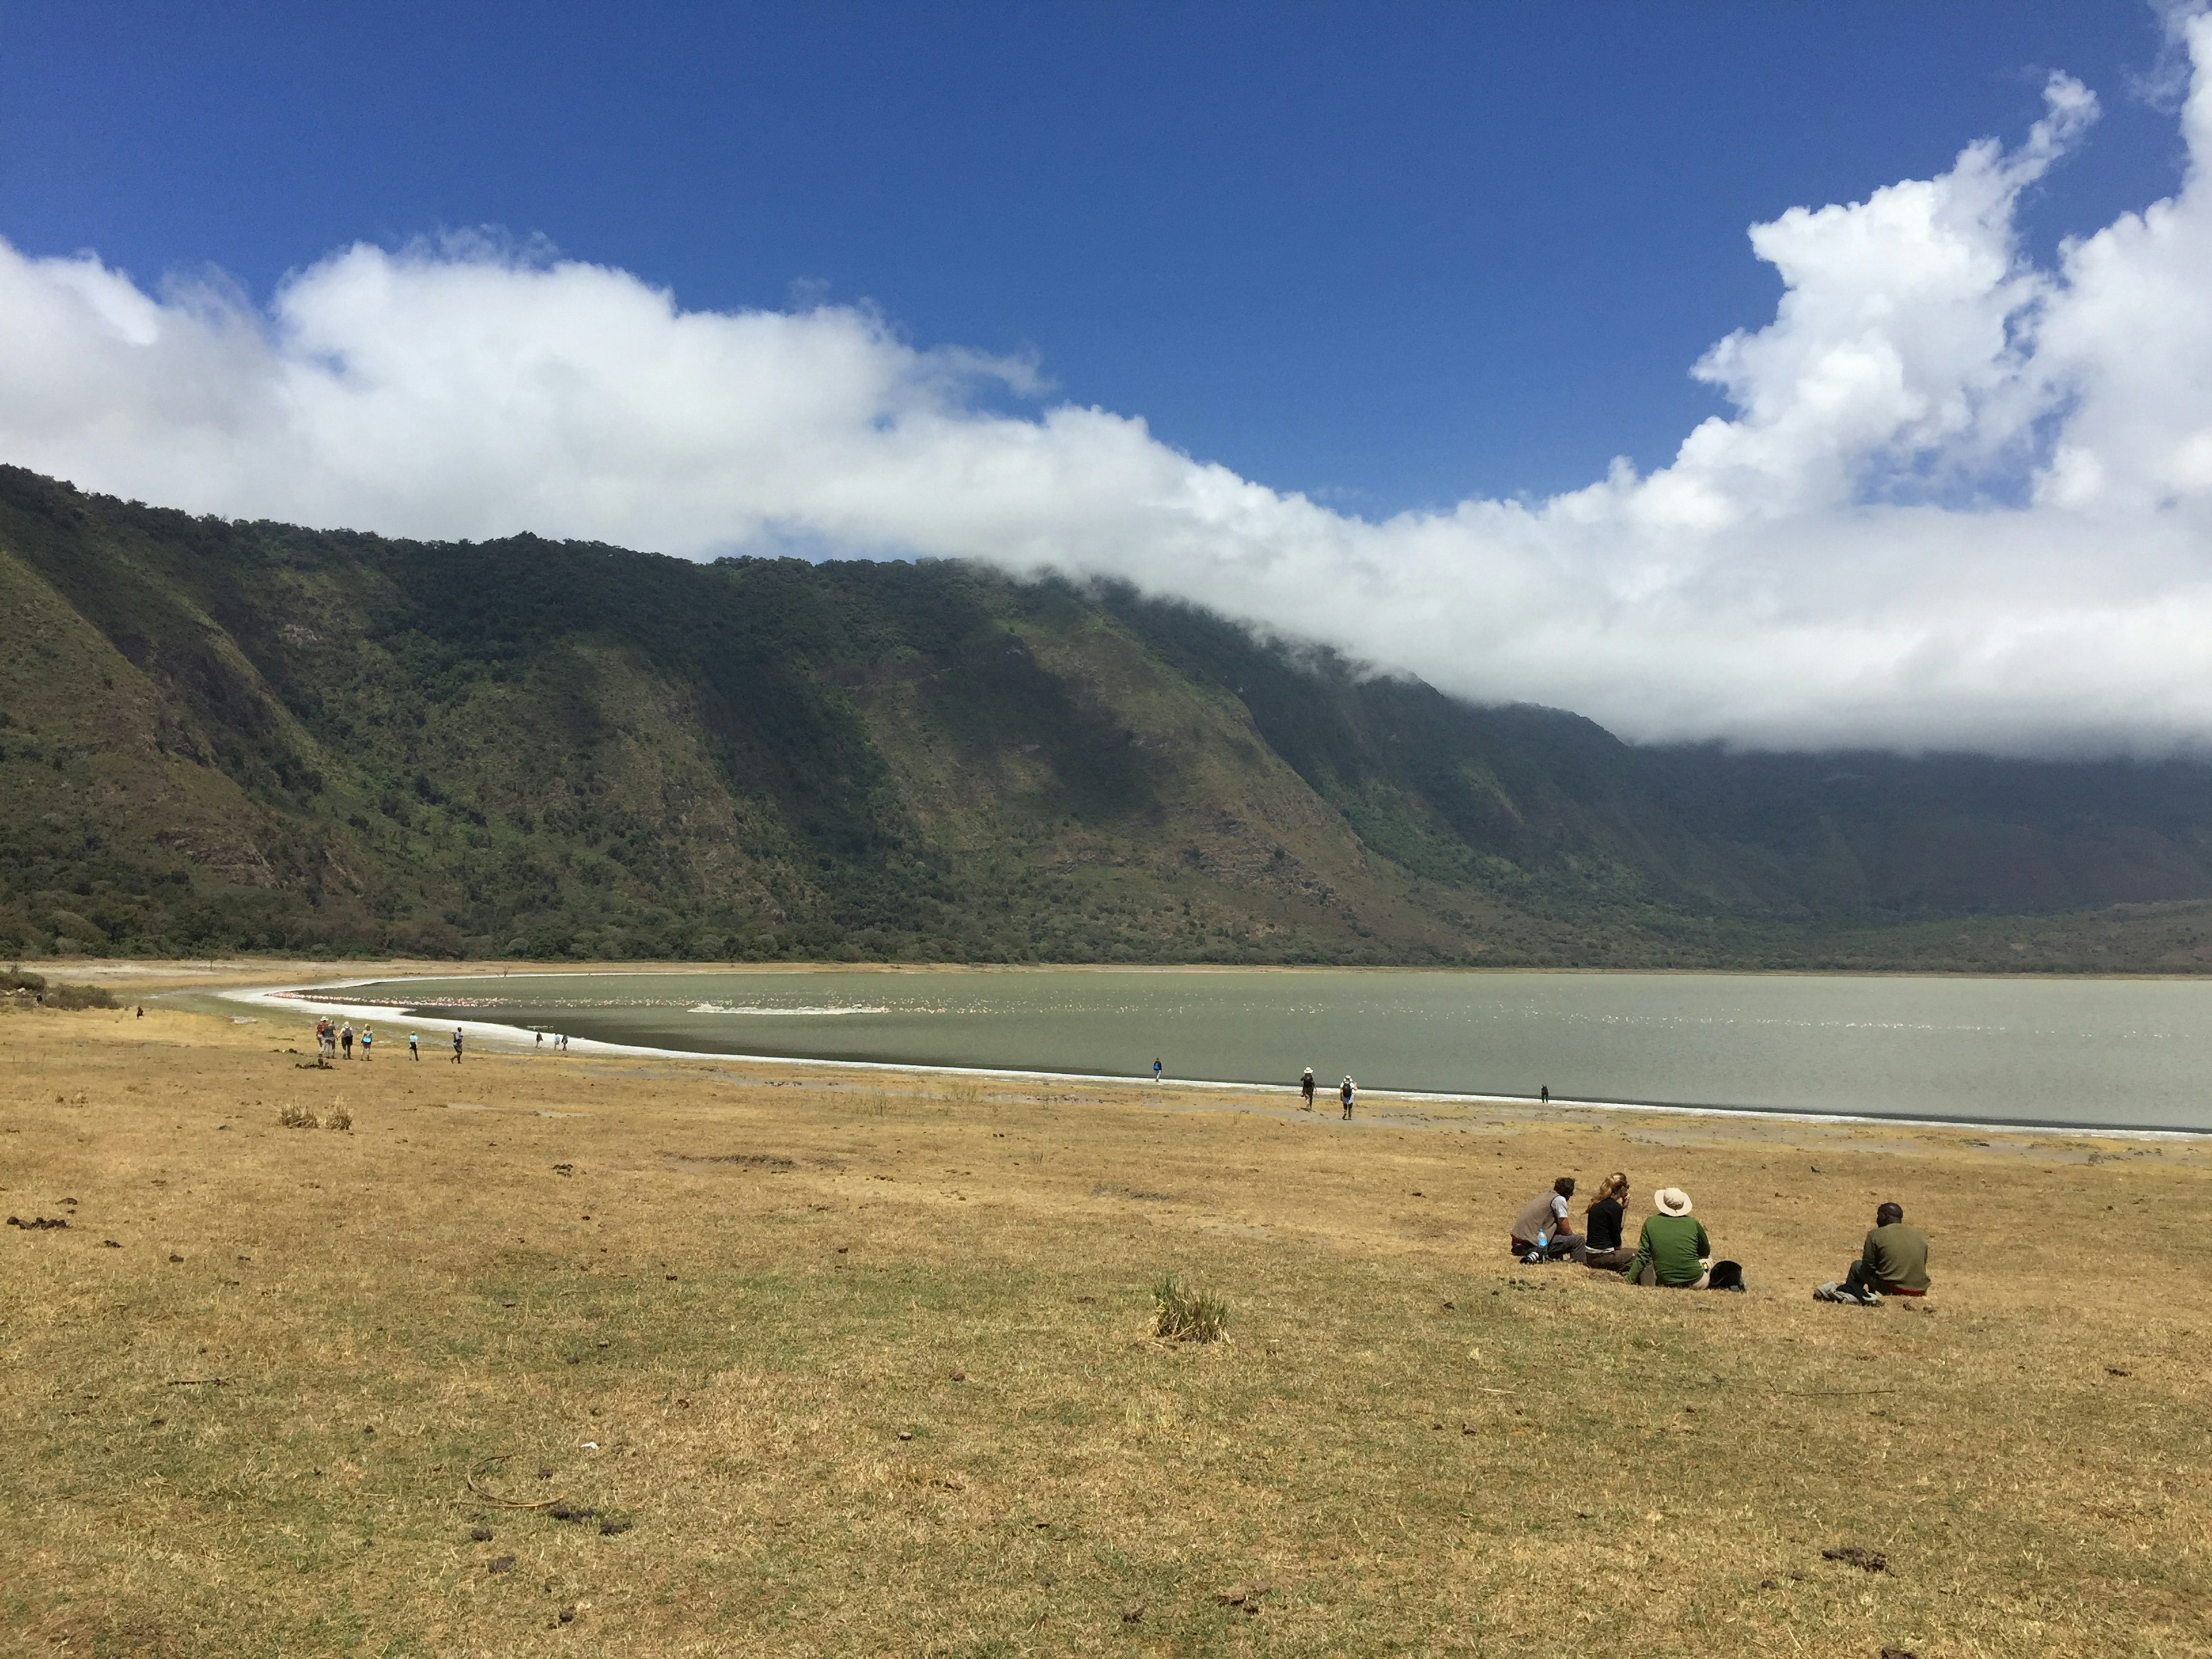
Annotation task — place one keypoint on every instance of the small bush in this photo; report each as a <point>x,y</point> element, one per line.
<point>298,1117</point>
<point>1187,1316</point>
<point>79,996</point>
<point>17,980</point>
<point>339,1118</point>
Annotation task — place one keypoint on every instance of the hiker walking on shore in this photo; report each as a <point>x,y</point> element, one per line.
<point>1347,1091</point>
<point>367,1036</point>
<point>413,1053</point>
<point>1156,1071</point>
<point>1306,1088</point>
<point>346,1039</point>
<point>457,1045</point>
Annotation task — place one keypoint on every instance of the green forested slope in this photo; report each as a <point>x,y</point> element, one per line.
<point>225,736</point>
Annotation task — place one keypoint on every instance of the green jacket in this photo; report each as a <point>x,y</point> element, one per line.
<point>1675,1247</point>
<point>1897,1254</point>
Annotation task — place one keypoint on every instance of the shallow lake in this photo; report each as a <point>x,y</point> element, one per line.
<point>2110,1053</point>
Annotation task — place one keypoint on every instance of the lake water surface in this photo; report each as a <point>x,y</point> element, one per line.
<point>2103,1052</point>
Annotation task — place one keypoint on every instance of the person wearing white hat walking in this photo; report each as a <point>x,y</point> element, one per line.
<point>1673,1249</point>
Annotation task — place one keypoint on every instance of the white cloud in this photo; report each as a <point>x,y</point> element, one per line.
<point>1962,500</point>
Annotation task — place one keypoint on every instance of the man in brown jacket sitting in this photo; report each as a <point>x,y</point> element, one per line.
<point>1893,1262</point>
<point>1540,1232</point>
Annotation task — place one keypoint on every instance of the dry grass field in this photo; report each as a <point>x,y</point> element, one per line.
<point>849,1363</point>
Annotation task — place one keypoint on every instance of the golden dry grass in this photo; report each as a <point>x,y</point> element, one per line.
<point>867,1361</point>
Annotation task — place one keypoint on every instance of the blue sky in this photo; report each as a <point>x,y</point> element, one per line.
<point>1899,317</point>
<point>1391,256</point>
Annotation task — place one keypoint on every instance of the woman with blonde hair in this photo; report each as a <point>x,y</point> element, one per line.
<point>1602,1222</point>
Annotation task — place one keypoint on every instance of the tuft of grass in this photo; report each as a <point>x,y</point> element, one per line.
<point>1184,1315</point>
<point>298,1117</point>
<point>339,1118</point>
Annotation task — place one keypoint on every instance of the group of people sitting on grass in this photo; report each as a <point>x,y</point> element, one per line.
<point>1673,1249</point>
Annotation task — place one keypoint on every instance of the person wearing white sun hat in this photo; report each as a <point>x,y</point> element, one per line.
<point>1673,1249</point>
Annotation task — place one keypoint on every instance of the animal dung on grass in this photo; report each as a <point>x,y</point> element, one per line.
<point>37,1223</point>
<point>1187,1316</point>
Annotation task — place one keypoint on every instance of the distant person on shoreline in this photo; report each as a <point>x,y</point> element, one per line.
<point>367,1036</point>
<point>1306,1088</point>
<point>457,1045</point>
<point>1156,1071</point>
<point>1602,1222</point>
<point>413,1053</point>
<point>1543,1094</point>
<point>1894,1261</point>
<point>1540,1232</point>
<point>538,1042</point>
<point>1673,1249</point>
<point>346,1039</point>
<point>1347,1091</point>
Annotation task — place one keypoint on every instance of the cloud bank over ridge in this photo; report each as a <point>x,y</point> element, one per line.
<point>1962,500</point>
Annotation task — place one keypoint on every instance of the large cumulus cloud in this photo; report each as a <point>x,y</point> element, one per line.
<point>1961,500</point>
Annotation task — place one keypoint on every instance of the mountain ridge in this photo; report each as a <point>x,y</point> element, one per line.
<point>228,735</point>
